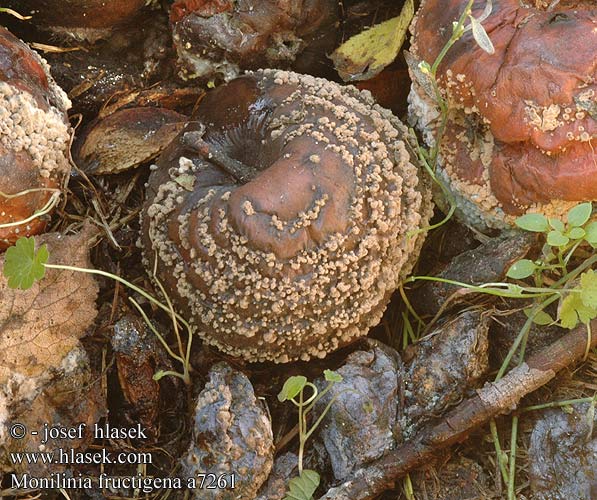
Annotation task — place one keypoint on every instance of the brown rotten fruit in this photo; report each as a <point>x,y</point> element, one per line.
<point>80,19</point>
<point>221,37</point>
<point>521,121</point>
<point>281,217</point>
<point>34,138</point>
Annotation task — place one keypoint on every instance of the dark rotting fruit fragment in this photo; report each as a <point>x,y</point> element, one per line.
<point>299,257</point>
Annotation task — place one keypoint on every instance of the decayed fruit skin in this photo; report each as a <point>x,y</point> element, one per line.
<point>298,252</point>
<point>81,19</point>
<point>34,137</point>
<point>223,37</point>
<point>522,121</point>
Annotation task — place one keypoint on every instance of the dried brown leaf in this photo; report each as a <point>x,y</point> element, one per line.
<point>39,326</point>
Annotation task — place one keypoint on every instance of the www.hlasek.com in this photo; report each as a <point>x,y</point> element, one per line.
<point>63,456</point>
<point>46,456</point>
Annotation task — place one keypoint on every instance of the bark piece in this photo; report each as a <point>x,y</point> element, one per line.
<point>487,263</point>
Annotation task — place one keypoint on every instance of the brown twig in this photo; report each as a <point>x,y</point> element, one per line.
<point>492,400</point>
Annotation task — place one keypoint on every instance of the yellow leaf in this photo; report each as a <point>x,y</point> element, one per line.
<point>364,55</point>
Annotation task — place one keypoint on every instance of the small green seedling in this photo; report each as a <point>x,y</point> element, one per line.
<point>23,266</point>
<point>427,76</point>
<point>303,486</point>
<point>578,296</point>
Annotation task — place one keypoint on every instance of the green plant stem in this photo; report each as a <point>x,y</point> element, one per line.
<point>155,331</point>
<point>408,488</point>
<point>186,363</point>
<point>302,428</point>
<point>170,312</point>
<point>512,464</point>
<point>558,404</point>
<point>522,335</point>
<point>521,341</point>
<point>313,398</point>
<point>47,208</point>
<point>429,161</point>
<point>504,290</point>
<point>14,13</point>
<point>456,34</point>
<point>185,375</point>
<point>126,283</point>
<point>498,449</point>
<point>571,252</point>
<point>589,338</point>
<point>408,305</point>
<point>321,417</point>
<point>28,191</point>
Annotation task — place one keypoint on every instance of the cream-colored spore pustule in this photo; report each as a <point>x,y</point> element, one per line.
<point>301,256</point>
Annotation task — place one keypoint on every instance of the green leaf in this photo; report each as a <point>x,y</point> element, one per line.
<point>366,54</point>
<point>521,269</point>
<point>567,312</point>
<point>579,215</point>
<point>588,286</point>
<point>535,223</point>
<point>23,266</point>
<point>576,233</point>
<point>332,376</point>
<point>591,233</point>
<point>557,239</point>
<point>303,487</point>
<point>572,310</point>
<point>540,318</point>
<point>292,387</point>
<point>557,224</point>
<point>481,37</point>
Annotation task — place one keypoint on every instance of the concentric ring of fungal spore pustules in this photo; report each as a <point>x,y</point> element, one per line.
<point>281,218</point>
